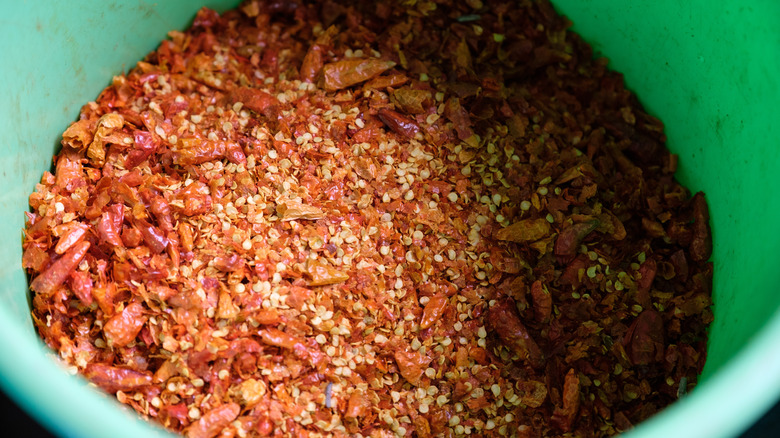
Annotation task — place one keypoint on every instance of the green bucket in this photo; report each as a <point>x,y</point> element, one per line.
<point>710,71</point>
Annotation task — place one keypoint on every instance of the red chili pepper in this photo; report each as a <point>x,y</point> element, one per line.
<point>542,301</point>
<point>114,379</point>
<point>144,146</point>
<point>505,322</point>
<point>73,236</point>
<point>563,416</point>
<point>212,422</point>
<point>81,284</point>
<point>256,100</point>
<point>55,275</point>
<point>411,365</point>
<point>312,63</point>
<point>123,327</point>
<point>153,237</point>
<point>110,225</point>
<point>433,310</point>
<point>343,74</point>
<point>278,338</point>
<point>397,123</point>
<point>569,240</point>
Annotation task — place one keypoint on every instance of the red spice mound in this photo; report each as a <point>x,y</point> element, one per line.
<point>436,219</point>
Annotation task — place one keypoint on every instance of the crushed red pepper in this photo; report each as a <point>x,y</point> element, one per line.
<point>367,219</point>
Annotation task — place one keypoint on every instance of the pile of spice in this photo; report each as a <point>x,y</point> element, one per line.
<point>373,219</point>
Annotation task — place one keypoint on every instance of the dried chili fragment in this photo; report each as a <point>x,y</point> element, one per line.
<point>278,338</point>
<point>343,74</point>
<point>527,230</point>
<point>153,236</point>
<point>433,311</point>
<point>196,151</point>
<point>81,284</point>
<point>411,365</point>
<point>533,393</point>
<point>701,245</point>
<point>397,123</point>
<point>114,379</point>
<point>569,239</point>
<point>514,335</point>
<point>74,234</point>
<point>144,145</point>
<point>123,327</point>
<point>109,225</point>
<point>564,415</point>
<point>210,424</point>
<point>645,339</point>
<point>256,100</point>
<point>288,211</point>
<point>357,405</point>
<point>312,63</point>
<point>55,275</point>
<point>321,274</point>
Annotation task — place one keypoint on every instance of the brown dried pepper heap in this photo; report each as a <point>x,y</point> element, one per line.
<point>362,219</point>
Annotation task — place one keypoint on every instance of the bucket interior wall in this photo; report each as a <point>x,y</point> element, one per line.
<point>711,72</point>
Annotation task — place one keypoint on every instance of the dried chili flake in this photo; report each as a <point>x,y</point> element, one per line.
<point>368,219</point>
<point>55,275</point>
<point>123,327</point>
<point>527,230</point>
<point>348,72</point>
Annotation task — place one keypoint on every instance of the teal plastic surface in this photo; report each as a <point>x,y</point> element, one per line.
<point>711,71</point>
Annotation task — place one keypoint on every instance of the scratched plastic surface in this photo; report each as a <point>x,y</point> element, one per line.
<point>712,74</point>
